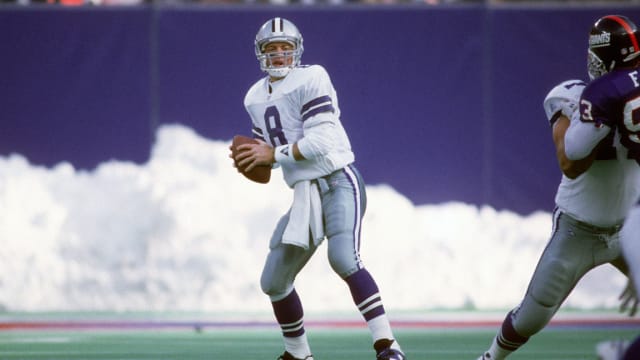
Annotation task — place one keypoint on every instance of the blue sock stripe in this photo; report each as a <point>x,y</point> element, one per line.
<point>293,330</point>
<point>293,333</point>
<point>293,325</point>
<point>372,306</point>
<point>365,294</point>
<point>375,298</point>
<point>508,338</point>
<point>373,312</point>
<point>289,314</point>
<point>506,344</point>
<point>361,285</point>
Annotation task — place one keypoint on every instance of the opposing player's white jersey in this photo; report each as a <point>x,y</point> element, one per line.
<point>302,103</point>
<point>603,194</point>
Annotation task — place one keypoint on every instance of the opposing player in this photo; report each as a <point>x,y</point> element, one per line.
<point>630,239</point>
<point>594,196</point>
<point>611,105</point>
<point>295,114</point>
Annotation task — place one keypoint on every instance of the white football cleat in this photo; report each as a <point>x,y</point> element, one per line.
<point>485,356</point>
<point>611,349</point>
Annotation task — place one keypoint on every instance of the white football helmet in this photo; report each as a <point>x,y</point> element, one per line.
<point>278,30</point>
<point>563,97</point>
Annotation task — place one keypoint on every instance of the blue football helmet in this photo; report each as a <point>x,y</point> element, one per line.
<point>613,43</point>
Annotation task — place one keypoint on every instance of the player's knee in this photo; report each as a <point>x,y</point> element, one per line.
<point>266,286</point>
<point>273,287</point>
<point>343,263</point>
<point>342,269</point>
<point>551,284</point>
<point>274,291</point>
<point>531,316</point>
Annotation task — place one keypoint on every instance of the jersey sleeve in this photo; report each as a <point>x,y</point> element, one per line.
<point>596,104</point>
<point>317,96</point>
<point>319,136</point>
<point>582,137</point>
<point>563,99</point>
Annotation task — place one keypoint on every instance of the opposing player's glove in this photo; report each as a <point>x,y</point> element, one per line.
<point>563,99</point>
<point>629,299</point>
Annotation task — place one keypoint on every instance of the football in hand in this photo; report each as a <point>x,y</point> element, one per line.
<point>261,173</point>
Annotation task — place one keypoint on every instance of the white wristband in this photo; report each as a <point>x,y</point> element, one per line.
<point>284,154</point>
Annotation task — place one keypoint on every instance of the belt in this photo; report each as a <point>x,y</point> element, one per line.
<point>608,230</point>
<point>323,182</point>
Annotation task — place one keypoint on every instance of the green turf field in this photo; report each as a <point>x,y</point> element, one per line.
<point>259,344</point>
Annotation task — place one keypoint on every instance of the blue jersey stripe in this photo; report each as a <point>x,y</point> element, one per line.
<point>318,110</point>
<point>314,102</point>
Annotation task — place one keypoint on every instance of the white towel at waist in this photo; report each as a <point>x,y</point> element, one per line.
<point>305,215</point>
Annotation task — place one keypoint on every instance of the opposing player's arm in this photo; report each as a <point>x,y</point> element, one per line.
<point>570,168</point>
<point>629,298</point>
<point>561,107</point>
<point>582,138</point>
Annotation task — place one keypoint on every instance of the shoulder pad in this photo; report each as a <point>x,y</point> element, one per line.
<point>563,97</point>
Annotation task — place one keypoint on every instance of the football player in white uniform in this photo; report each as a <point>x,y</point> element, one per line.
<point>295,115</point>
<point>609,107</point>
<point>592,200</point>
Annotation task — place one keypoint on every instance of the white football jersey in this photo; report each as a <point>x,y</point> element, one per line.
<point>563,99</point>
<point>285,111</point>
<point>603,194</point>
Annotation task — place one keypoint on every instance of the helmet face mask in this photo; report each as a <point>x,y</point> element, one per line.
<point>613,43</point>
<point>278,30</point>
<point>595,65</point>
<point>277,64</point>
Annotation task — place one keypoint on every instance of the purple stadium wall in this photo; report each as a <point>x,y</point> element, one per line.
<point>442,103</point>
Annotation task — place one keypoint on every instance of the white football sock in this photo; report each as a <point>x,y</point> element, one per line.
<point>297,346</point>
<point>381,329</point>
<point>497,352</point>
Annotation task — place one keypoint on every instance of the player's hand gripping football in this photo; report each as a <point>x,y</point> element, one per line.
<point>253,158</point>
<point>250,155</point>
<point>629,299</point>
